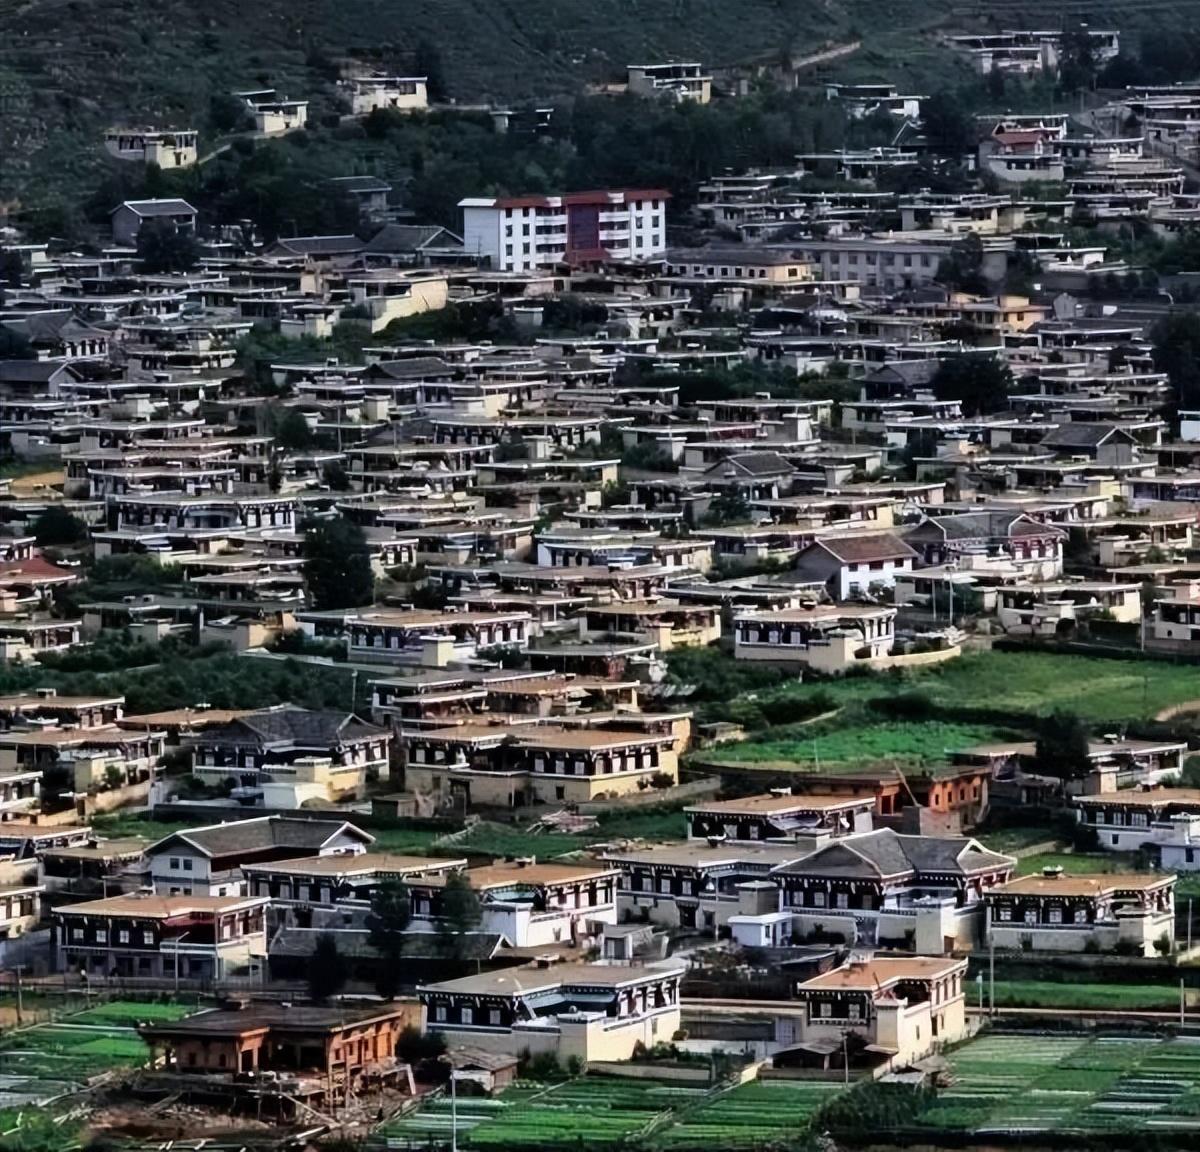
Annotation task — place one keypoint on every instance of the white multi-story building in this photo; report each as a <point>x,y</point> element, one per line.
<point>520,233</point>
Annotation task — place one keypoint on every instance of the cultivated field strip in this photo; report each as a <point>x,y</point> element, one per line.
<point>1008,1083</point>
<point>610,1113</point>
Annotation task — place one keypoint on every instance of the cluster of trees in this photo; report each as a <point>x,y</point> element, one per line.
<point>388,925</point>
<point>979,381</point>
<point>1160,57</point>
<point>337,564</point>
<point>443,156</point>
<point>1176,349</point>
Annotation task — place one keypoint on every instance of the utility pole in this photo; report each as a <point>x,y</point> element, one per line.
<point>992,979</point>
<point>846,1057</point>
<point>20,1002</point>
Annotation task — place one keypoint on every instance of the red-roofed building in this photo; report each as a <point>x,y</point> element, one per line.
<point>522,233</point>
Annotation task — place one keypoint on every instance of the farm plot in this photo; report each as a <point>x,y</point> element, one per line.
<point>47,1060</point>
<point>1026,1084</point>
<point>599,1113</point>
<point>751,1116</point>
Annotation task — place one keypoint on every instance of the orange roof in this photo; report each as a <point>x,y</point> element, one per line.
<point>1090,884</point>
<point>878,973</point>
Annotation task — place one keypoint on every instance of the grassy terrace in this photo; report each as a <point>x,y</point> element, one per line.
<point>1011,688</point>
<point>1034,682</point>
<point>832,747</point>
<point>1084,997</point>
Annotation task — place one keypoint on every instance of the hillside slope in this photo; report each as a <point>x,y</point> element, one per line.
<point>70,68</point>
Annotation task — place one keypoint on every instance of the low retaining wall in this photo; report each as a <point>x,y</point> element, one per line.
<point>675,1073</point>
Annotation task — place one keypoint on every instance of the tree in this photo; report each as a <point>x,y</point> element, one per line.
<point>387,922</point>
<point>15,345</point>
<point>727,508</point>
<point>979,382</point>
<point>337,564</point>
<point>226,113</point>
<point>58,528</point>
<point>292,431</point>
<point>161,247</point>
<point>1076,60</point>
<point>461,913</point>
<point>326,972</point>
<point>1062,746</point>
<point>961,269</point>
<point>428,61</point>
<point>946,123</point>
<point>335,476</point>
<point>1176,351</point>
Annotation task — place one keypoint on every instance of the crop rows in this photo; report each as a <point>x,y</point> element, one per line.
<point>593,1112</point>
<point>1024,1084</point>
<point>753,1115</point>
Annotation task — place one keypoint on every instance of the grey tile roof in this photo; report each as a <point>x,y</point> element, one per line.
<point>290,727</point>
<point>887,853</point>
<point>402,238</point>
<point>355,943</point>
<point>305,837</point>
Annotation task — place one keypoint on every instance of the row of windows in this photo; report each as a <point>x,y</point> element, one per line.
<point>921,260</point>
<point>1053,916</point>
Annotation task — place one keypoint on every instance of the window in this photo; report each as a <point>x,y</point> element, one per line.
<point>1003,913</point>
<point>175,863</point>
<point>76,933</point>
<point>826,1010</point>
<point>439,1013</point>
<point>187,864</point>
<point>1031,916</point>
<point>818,899</point>
<point>123,936</point>
<point>854,1011</point>
<point>1081,916</point>
<point>101,935</point>
<point>494,1016</point>
<point>1055,916</point>
<point>468,1015</point>
<point>147,937</point>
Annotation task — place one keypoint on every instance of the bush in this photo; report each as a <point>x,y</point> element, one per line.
<point>905,706</point>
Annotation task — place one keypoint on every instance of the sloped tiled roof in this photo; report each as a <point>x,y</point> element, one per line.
<point>258,834</point>
<point>291,726</point>
<point>885,853</point>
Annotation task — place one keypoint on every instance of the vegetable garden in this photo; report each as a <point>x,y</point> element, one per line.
<point>598,1113</point>
<point>1026,1083</point>
<point>48,1060</point>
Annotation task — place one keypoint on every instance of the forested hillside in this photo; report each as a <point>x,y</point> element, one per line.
<point>71,68</point>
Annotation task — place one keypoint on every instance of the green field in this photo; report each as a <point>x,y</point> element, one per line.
<point>756,1115</point>
<point>850,748</point>
<point>1076,863</point>
<point>599,1113</point>
<point>47,1060</point>
<point>1069,994</point>
<point>595,1112</point>
<point>1026,1083</point>
<point>1032,682</point>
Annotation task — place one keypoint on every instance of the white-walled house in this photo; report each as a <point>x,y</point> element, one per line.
<point>853,564</point>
